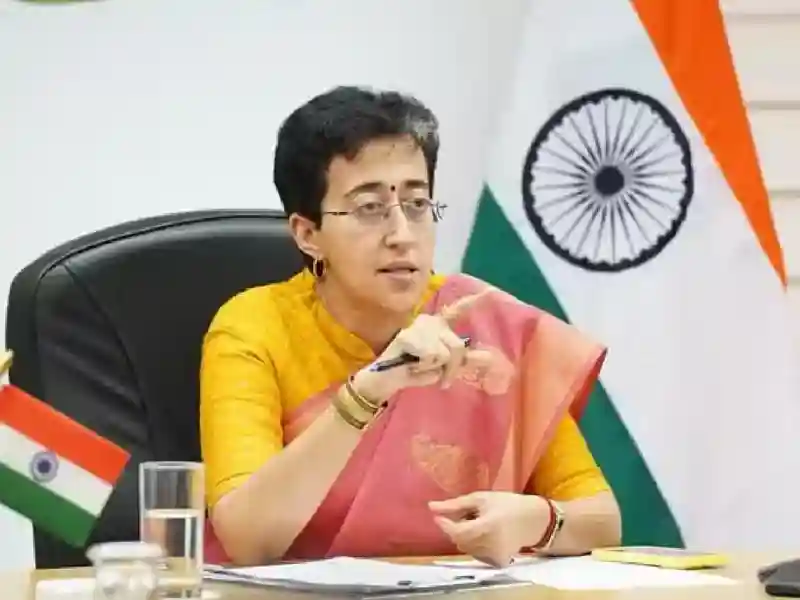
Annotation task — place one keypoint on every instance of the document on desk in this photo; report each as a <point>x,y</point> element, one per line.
<point>362,577</point>
<point>368,577</point>
<point>586,573</point>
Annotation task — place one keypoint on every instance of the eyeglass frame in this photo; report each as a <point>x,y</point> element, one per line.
<point>436,209</point>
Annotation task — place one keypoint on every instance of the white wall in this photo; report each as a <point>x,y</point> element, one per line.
<point>126,108</point>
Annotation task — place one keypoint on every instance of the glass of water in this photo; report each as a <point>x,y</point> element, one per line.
<point>172,515</point>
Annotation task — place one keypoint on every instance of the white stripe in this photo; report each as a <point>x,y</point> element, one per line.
<point>71,481</point>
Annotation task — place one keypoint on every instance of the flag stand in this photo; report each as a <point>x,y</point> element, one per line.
<point>6,358</point>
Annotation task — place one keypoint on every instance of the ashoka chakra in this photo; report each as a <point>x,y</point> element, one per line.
<point>608,180</point>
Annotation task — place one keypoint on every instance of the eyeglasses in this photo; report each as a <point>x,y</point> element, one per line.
<point>416,210</point>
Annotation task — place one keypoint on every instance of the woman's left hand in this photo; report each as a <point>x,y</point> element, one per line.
<point>493,526</point>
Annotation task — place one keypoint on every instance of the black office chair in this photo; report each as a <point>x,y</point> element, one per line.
<point>108,328</point>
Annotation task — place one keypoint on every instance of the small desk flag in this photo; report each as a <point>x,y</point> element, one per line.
<point>53,470</point>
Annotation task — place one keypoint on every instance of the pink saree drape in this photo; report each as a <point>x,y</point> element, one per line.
<point>485,432</point>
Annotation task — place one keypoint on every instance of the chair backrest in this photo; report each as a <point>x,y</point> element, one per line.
<point>108,328</point>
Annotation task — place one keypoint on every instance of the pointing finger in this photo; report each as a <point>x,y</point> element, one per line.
<point>459,307</point>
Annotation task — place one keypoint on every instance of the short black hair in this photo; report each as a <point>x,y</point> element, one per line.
<point>340,122</point>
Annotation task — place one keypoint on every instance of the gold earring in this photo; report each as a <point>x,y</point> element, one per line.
<point>318,267</point>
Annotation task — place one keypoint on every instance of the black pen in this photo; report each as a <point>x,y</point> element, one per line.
<point>403,359</point>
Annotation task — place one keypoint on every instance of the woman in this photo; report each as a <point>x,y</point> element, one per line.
<point>312,450</point>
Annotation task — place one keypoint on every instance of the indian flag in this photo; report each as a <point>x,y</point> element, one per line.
<point>624,195</point>
<point>53,470</point>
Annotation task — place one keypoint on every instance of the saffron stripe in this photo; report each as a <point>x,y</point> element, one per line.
<point>690,39</point>
<point>64,436</point>
<point>56,515</point>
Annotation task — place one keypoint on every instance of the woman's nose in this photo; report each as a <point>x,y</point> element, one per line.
<point>399,228</point>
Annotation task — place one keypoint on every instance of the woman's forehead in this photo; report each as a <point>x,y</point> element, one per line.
<point>389,162</point>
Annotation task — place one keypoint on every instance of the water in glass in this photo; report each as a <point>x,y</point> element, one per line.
<point>172,517</point>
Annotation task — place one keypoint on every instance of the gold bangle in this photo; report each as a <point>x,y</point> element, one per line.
<point>346,415</point>
<point>353,406</point>
<point>368,406</point>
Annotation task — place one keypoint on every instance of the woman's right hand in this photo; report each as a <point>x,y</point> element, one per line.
<point>442,355</point>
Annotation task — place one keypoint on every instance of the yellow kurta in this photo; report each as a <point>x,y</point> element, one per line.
<point>270,348</point>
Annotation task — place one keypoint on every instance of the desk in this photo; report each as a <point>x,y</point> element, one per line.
<point>21,586</point>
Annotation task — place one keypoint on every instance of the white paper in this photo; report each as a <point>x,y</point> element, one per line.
<point>586,573</point>
<point>365,572</point>
<point>477,564</point>
<point>573,573</point>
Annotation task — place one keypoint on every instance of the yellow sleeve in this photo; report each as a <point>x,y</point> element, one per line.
<point>567,469</point>
<point>240,407</point>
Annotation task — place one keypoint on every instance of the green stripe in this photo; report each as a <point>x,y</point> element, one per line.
<point>45,509</point>
<point>496,254</point>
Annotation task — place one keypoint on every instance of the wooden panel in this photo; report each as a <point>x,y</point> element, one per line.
<point>794,300</point>
<point>776,134</point>
<point>765,41</point>
<point>786,210</point>
<point>760,7</point>
<point>766,53</point>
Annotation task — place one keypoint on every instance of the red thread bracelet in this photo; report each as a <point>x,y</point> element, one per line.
<point>548,532</point>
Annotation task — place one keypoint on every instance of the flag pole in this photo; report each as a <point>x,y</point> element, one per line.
<point>6,358</point>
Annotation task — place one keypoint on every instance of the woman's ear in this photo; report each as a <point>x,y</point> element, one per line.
<point>305,233</point>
